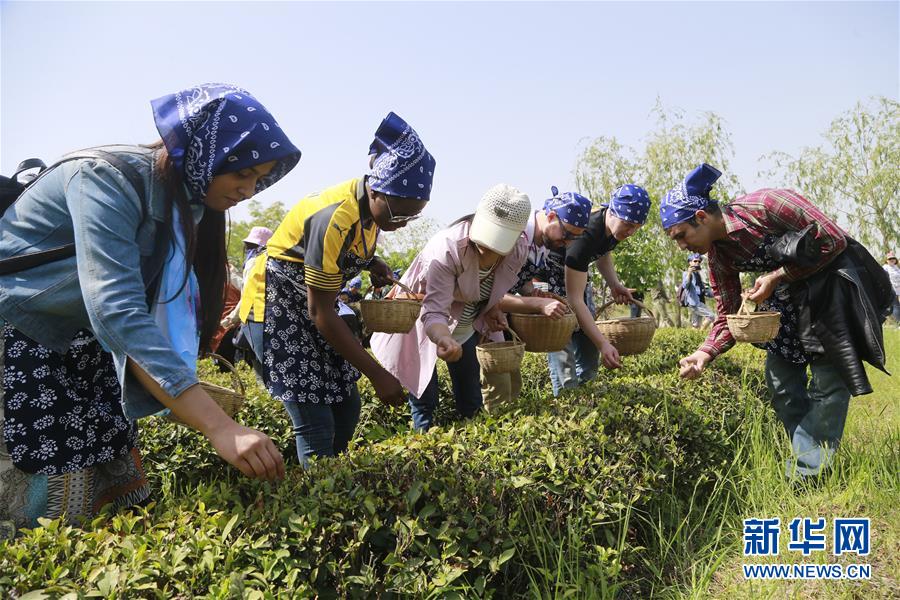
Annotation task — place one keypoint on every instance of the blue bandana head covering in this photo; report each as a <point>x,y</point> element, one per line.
<point>630,203</point>
<point>695,256</point>
<point>218,128</point>
<point>355,282</point>
<point>402,166</point>
<point>682,203</point>
<point>571,208</point>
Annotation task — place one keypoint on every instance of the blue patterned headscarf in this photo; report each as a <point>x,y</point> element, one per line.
<point>682,203</point>
<point>571,208</point>
<point>402,166</point>
<point>218,128</point>
<point>630,203</point>
<point>695,256</point>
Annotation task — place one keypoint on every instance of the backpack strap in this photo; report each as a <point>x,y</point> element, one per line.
<point>34,259</point>
<point>27,165</point>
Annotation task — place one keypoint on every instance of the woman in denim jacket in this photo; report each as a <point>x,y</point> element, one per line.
<point>84,354</point>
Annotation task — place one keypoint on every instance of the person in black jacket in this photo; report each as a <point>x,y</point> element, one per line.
<point>832,295</point>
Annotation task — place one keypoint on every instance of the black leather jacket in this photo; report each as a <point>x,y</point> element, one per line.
<point>842,309</point>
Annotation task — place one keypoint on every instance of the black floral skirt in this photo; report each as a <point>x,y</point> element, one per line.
<point>66,447</point>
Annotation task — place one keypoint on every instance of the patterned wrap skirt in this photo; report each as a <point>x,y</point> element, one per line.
<point>299,364</point>
<point>66,447</point>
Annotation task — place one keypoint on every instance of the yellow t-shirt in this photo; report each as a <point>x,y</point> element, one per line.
<point>324,232</point>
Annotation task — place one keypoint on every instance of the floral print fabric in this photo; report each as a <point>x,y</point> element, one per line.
<point>63,412</point>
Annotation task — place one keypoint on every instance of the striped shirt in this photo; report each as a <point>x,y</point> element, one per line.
<point>464,329</point>
<point>324,232</point>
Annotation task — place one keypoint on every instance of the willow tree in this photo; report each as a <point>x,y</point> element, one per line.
<point>649,260</point>
<point>854,174</point>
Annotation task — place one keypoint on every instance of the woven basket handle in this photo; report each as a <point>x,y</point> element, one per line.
<point>559,298</point>
<point>637,303</point>
<point>516,338</point>
<point>236,382</point>
<point>403,287</point>
<point>743,309</point>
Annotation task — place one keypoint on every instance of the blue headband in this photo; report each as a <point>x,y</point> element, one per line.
<point>402,166</point>
<point>571,208</point>
<point>630,203</point>
<point>682,203</point>
<point>218,128</point>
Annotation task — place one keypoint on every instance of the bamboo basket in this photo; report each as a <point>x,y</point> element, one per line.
<point>541,333</point>
<point>500,357</point>
<point>630,335</point>
<point>753,327</point>
<point>229,400</point>
<point>391,315</point>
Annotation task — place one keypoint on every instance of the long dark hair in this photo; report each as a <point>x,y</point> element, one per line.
<point>205,247</point>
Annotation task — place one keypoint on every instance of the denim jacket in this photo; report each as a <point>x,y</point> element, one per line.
<point>100,288</point>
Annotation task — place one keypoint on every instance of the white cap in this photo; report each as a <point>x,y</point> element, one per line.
<point>500,218</point>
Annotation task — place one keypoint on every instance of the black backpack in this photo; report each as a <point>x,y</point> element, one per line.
<point>11,189</point>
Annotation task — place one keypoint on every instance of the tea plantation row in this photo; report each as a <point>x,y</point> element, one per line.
<point>467,509</point>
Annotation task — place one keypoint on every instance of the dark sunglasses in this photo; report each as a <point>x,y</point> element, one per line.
<point>400,218</point>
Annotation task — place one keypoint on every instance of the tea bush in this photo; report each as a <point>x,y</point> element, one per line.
<point>455,511</point>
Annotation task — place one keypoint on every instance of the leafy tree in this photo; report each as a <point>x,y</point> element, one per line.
<point>399,248</point>
<point>260,216</point>
<point>649,260</point>
<point>854,173</point>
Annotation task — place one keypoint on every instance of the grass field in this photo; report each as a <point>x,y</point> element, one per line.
<point>864,483</point>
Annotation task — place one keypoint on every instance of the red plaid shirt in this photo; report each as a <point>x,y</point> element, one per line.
<point>747,221</point>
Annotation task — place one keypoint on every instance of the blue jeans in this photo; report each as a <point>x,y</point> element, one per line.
<point>895,309</point>
<point>255,336</point>
<point>813,410</point>
<point>252,333</point>
<point>323,429</point>
<point>465,378</point>
<point>575,364</point>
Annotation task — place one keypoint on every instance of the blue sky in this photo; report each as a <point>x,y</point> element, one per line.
<point>498,91</point>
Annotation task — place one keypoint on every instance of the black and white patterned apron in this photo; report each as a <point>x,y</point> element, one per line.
<point>300,365</point>
<point>66,447</point>
<point>787,344</point>
<point>63,412</point>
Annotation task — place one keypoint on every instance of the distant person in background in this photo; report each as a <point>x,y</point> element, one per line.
<point>893,271</point>
<point>377,293</point>
<point>635,310</point>
<point>254,244</point>
<point>354,289</point>
<point>248,338</point>
<point>693,293</point>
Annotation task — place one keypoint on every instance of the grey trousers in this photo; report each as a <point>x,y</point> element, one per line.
<point>813,409</point>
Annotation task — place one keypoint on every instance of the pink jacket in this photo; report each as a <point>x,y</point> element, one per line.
<point>446,271</point>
